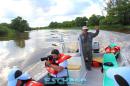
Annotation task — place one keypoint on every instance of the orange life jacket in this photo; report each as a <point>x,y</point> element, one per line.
<point>61,59</point>
<point>33,83</point>
<point>29,83</point>
<point>112,50</point>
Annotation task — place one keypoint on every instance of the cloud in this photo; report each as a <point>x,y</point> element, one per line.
<point>42,12</point>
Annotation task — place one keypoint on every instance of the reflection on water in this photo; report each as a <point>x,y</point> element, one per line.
<point>19,39</point>
<point>20,43</point>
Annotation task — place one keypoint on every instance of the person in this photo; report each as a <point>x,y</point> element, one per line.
<point>57,70</point>
<point>17,78</point>
<point>86,41</point>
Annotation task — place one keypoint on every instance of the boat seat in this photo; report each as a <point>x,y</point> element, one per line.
<point>73,67</point>
<point>74,63</point>
<point>98,59</point>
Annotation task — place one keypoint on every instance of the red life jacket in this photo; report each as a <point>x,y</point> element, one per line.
<point>112,50</point>
<point>33,83</point>
<point>61,59</point>
<point>29,83</point>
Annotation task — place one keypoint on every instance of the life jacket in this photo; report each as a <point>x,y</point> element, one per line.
<point>112,50</point>
<point>33,83</point>
<point>29,83</point>
<point>61,59</point>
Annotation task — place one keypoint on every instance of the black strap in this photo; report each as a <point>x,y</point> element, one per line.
<point>120,80</point>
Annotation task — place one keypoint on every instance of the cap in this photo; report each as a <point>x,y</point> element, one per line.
<point>84,27</point>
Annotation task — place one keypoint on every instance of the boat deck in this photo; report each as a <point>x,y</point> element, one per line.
<point>93,77</point>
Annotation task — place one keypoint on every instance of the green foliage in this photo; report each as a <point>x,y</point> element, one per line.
<point>94,20</point>
<point>19,24</point>
<point>81,21</point>
<point>78,22</point>
<point>65,24</point>
<point>5,24</point>
<point>5,30</point>
<point>118,12</point>
<point>10,30</point>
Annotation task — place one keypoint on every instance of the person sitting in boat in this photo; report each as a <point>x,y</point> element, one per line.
<point>86,41</point>
<point>17,78</point>
<point>57,68</point>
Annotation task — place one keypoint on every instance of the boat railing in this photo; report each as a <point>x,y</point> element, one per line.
<point>83,71</point>
<point>76,47</point>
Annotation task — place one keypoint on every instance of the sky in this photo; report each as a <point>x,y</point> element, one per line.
<point>40,13</point>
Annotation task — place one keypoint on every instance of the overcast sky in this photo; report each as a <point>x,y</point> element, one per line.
<point>42,12</point>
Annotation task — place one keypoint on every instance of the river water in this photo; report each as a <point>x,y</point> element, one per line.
<point>26,52</point>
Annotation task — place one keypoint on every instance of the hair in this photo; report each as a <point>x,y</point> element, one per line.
<point>17,74</point>
<point>55,51</point>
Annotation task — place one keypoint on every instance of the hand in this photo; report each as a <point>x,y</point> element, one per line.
<point>47,63</point>
<point>97,27</point>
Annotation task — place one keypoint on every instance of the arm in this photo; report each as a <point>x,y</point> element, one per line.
<point>56,67</point>
<point>97,31</point>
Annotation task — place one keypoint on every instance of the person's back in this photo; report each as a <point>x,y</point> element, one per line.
<point>17,78</point>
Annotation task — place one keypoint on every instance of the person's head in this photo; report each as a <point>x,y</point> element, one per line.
<point>55,53</point>
<point>84,29</point>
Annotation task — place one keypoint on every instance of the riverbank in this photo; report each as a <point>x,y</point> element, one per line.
<point>15,36</point>
<point>115,28</point>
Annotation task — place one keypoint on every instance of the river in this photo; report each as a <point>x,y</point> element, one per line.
<point>26,52</point>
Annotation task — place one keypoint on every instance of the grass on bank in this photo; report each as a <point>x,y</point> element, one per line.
<point>5,31</point>
<point>117,28</point>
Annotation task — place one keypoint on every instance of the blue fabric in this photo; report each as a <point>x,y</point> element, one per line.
<point>11,77</point>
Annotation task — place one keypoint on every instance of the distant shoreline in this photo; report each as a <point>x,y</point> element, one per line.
<point>107,28</point>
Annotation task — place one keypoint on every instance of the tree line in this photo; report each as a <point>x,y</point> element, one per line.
<point>78,22</point>
<point>118,15</point>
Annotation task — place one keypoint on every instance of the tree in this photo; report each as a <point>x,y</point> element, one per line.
<point>118,11</point>
<point>19,24</point>
<point>81,21</point>
<point>53,24</point>
<point>94,20</point>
